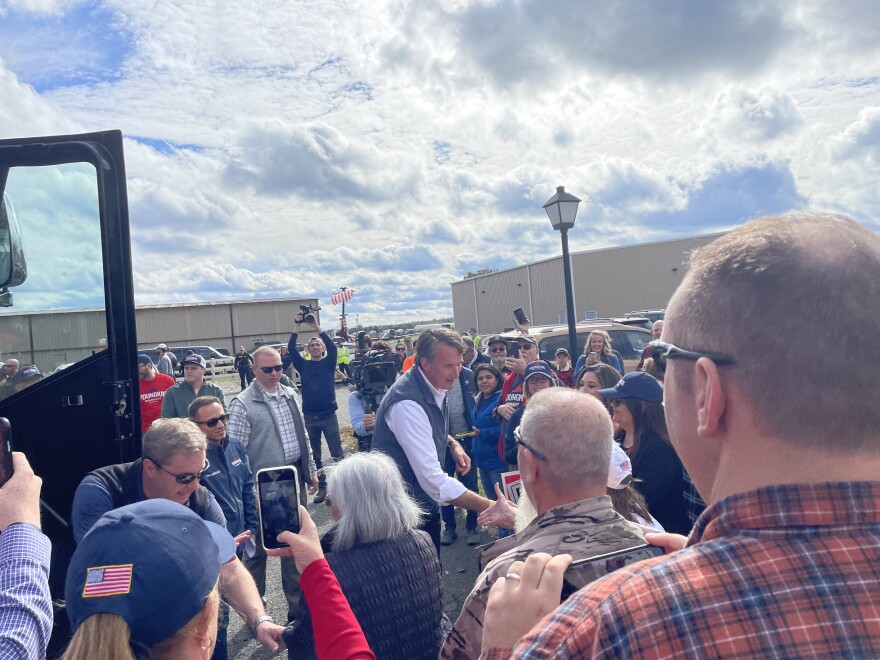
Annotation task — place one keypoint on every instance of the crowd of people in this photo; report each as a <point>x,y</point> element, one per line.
<point>752,470</point>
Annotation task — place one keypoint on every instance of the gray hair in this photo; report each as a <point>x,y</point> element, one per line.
<point>574,432</point>
<point>167,437</point>
<point>372,502</point>
<point>747,295</point>
<point>429,340</point>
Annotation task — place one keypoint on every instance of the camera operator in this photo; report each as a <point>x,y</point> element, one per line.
<point>381,368</point>
<point>412,423</point>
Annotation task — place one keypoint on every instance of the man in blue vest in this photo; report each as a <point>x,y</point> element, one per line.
<point>412,428</point>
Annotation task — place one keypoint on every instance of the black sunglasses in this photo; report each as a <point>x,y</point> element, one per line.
<point>661,352</point>
<point>499,349</point>
<point>211,423</point>
<point>269,370</point>
<point>186,477</point>
<point>517,436</point>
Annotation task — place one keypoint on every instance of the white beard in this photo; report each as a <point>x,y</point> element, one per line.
<point>525,512</point>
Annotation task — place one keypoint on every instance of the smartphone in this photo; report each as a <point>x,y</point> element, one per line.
<point>520,316</point>
<point>278,498</point>
<point>5,450</point>
<point>583,571</point>
<point>513,349</point>
<point>594,355</point>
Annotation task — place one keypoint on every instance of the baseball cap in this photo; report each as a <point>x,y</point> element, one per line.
<point>162,346</point>
<point>561,351</point>
<point>26,372</point>
<point>635,385</point>
<point>538,367</point>
<point>153,563</point>
<point>494,339</point>
<point>522,336</point>
<point>143,358</point>
<point>620,473</point>
<point>195,358</point>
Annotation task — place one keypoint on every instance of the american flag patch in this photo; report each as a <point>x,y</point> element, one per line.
<point>108,581</point>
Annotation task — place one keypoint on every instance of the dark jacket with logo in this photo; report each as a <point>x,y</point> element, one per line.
<point>412,386</point>
<point>230,479</point>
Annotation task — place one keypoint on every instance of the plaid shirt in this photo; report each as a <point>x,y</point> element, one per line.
<point>25,603</point>
<point>786,572</point>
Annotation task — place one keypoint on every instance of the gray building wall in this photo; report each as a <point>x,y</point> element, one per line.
<point>610,282</point>
<point>52,338</point>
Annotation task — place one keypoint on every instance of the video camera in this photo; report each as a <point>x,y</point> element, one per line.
<point>372,377</point>
<point>308,313</point>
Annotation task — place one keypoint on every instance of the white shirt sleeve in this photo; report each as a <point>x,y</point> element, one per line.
<point>411,427</point>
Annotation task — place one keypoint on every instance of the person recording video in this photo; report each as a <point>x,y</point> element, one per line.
<point>371,379</point>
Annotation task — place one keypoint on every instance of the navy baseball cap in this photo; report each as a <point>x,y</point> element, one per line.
<point>538,367</point>
<point>153,563</point>
<point>195,358</point>
<point>25,373</point>
<point>143,358</point>
<point>635,385</point>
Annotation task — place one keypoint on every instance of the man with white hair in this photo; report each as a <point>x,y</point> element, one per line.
<point>779,430</point>
<point>565,444</point>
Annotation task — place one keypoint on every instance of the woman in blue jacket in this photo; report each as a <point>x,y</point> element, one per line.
<point>485,446</point>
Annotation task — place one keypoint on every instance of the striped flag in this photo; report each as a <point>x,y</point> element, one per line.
<point>342,296</point>
<point>108,581</point>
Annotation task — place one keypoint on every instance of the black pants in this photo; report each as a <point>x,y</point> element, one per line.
<point>431,525</point>
<point>246,376</point>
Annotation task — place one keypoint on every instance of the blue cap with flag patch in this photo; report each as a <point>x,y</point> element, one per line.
<point>153,563</point>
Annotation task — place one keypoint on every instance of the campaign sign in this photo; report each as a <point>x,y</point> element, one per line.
<point>512,485</point>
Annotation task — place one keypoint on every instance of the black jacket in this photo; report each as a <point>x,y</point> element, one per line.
<point>659,477</point>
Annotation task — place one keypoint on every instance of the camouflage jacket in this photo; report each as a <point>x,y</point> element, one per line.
<point>583,529</point>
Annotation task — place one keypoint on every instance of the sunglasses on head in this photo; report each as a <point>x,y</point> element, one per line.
<point>662,351</point>
<point>211,423</point>
<point>186,477</point>
<point>269,370</point>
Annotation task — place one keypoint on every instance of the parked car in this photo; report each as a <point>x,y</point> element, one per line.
<point>653,315</point>
<point>217,362</point>
<point>628,340</point>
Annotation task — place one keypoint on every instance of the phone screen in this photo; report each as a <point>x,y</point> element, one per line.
<point>279,503</point>
<point>513,349</point>
<point>5,450</point>
<point>583,571</point>
<point>520,316</point>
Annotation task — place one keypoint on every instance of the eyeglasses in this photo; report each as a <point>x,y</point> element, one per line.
<point>211,423</point>
<point>401,350</point>
<point>499,349</point>
<point>186,477</point>
<point>661,352</point>
<point>269,370</point>
<point>527,347</point>
<point>517,436</point>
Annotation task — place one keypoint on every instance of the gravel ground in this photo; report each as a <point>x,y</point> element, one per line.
<point>459,560</point>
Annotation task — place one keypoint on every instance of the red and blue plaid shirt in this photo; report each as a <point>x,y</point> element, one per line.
<point>786,572</point>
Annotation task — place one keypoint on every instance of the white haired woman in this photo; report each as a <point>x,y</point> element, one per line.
<point>388,569</point>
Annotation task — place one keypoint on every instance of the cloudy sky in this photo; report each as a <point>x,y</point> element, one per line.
<point>288,148</point>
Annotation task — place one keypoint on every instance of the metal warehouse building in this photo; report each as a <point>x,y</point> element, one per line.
<point>607,282</point>
<point>52,338</point>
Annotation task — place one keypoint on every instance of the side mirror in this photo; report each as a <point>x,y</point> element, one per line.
<point>13,267</point>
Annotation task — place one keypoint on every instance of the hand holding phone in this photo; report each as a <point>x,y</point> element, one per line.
<point>583,571</point>
<point>278,499</point>
<point>520,316</point>
<point>5,450</point>
<point>304,547</point>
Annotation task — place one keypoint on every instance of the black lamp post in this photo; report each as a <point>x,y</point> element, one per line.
<point>562,209</point>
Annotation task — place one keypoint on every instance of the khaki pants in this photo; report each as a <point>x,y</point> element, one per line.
<point>256,566</point>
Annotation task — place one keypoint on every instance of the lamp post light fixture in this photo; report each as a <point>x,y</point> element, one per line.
<point>562,209</point>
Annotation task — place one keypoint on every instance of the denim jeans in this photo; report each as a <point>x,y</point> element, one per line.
<point>329,426</point>
<point>470,482</point>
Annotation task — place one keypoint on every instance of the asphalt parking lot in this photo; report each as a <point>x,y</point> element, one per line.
<point>459,562</point>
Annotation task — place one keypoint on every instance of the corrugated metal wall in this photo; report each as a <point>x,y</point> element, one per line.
<point>49,339</point>
<point>609,282</point>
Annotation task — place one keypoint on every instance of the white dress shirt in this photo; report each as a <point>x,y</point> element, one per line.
<point>412,428</point>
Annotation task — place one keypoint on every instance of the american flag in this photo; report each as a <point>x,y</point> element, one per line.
<point>108,581</point>
<point>342,296</point>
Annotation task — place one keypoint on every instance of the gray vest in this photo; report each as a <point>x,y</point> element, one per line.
<point>411,387</point>
<point>264,448</point>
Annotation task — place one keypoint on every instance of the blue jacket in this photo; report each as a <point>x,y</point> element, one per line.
<point>614,360</point>
<point>466,381</point>
<point>485,445</point>
<point>230,480</point>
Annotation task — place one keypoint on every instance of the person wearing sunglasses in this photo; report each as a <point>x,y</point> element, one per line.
<point>637,410</point>
<point>173,462</point>
<point>178,397</point>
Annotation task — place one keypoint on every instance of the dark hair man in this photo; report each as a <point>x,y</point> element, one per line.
<point>782,449</point>
<point>153,387</point>
<point>178,398</point>
<point>230,480</point>
<point>242,365</point>
<point>173,462</point>
<point>267,420</point>
<point>411,427</point>
<point>318,387</point>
